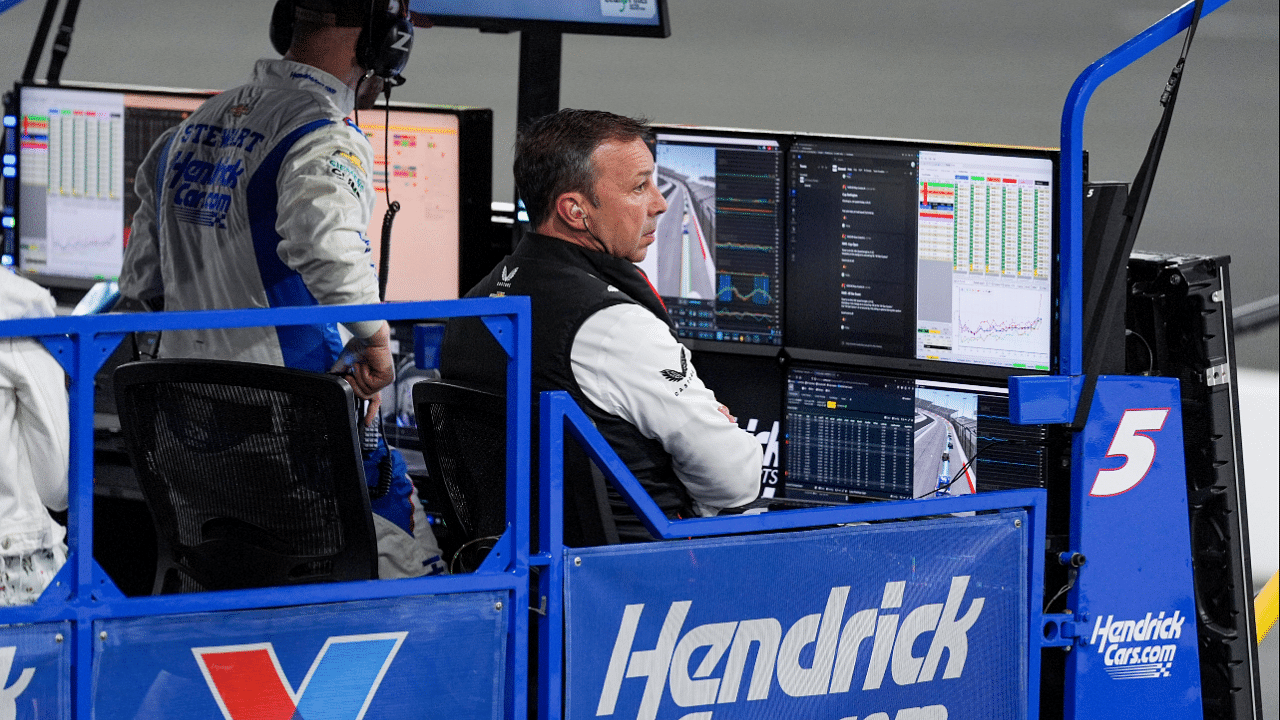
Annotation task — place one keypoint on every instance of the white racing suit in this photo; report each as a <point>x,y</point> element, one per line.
<point>260,199</point>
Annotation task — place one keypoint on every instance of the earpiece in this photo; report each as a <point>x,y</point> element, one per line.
<point>385,40</point>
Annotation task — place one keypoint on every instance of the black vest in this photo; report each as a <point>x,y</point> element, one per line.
<point>566,284</point>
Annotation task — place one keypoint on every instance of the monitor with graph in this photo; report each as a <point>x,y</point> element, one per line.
<point>78,148</point>
<point>921,255</point>
<point>850,435</point>
<point>717,261</point>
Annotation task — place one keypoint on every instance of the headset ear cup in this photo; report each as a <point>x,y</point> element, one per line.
<point>282,26</point>
<point>387,39</point>
<point>396,46</point>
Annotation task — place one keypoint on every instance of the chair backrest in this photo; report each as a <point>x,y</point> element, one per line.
<point>252,473</point>
<point>464,445</point>
<point>463,430</point>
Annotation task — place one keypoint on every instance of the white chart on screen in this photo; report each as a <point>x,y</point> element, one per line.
<point>1001,319</point>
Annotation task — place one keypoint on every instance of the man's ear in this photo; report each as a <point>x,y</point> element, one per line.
<point>572,208</point>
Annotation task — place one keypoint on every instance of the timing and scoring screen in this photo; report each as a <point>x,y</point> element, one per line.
<point>717,260</point>
<point>850,435</point>
<point>79,150</point>
<point>923,253</point>
<point>417,165</point>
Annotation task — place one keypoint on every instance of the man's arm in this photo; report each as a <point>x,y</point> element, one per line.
<point>627,363</point>
<point>325,202</point>
<point>43,430</point>
<point>140,279</point>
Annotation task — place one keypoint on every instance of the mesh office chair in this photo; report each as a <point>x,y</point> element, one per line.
<point>464,439</point>
<point>464,444</point>
<point>252,474</point>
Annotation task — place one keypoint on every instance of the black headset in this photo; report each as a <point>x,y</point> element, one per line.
<point>386,36</point>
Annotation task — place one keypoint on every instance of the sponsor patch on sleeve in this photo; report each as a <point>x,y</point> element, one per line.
<point>350,169</point>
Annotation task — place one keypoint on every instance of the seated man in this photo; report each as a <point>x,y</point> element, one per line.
<point>600,331</point>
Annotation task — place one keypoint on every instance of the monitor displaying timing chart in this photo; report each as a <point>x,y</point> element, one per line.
<point>851,435</point>
<point>923,253</point>
<point>416,163</point>
<point>717,259</point>
<point>985,227</point>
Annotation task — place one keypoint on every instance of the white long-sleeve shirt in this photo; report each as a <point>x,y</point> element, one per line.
<point>618,356</point>
<point>34,434</point>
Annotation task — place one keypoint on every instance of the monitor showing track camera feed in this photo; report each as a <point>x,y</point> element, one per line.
<point>717,260</point>
<point>922,253</point>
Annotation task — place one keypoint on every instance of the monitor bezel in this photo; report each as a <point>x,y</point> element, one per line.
<point>916,366</point>
<point>477,252</point>
<point>506,24</point>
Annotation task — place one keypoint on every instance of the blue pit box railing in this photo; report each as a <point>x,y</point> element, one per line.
<point>82,617</point>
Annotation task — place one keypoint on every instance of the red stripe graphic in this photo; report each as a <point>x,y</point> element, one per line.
<point>249,685</point>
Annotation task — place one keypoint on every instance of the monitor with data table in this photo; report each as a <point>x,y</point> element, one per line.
<point>921,256</point>
<point>852,435</point>
<point>717,260</point>
<point>78,147</point>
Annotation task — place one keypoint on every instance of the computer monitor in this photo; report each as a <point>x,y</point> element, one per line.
<point>78,148</point>
<point>852,435</point>
<point>646,18</point>
<point>440,172</point>
<point>717,260</point>
<point>922,256</point>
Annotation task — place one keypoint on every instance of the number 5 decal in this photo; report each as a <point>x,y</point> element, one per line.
<point>1138,450</point>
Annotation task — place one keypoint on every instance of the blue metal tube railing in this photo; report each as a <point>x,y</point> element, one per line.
<point>83,593</point>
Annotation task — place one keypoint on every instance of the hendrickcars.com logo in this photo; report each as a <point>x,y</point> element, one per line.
<point>248,683</point>
<point>1137,649</point>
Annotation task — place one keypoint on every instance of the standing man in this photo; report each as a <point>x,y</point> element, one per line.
<point>261,198</point>
<point>600,330</point>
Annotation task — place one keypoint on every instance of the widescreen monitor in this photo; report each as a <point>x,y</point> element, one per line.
<point>646,18</point>
<point>717,260</point>
<point>78,148</point>
<point>922,256</point>
<point>851,435</point>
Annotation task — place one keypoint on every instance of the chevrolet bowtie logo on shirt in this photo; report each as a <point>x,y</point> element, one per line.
<point>674,376</point>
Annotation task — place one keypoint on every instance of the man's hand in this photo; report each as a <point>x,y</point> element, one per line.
<point>724,410</point>
<point>366,364</point>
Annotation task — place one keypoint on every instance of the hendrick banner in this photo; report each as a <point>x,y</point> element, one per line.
<point>911,620</point>
<point>423,656</point>
<point>35,671</point>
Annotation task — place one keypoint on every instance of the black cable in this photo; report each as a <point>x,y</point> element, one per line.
<point>1151,357</point>
<point>1072,574</point>
<point>453,562</point>
<point>393,207</point>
